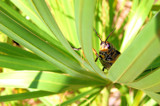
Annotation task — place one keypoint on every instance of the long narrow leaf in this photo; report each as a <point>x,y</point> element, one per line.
<point>51,23</point>
<point>154,95</point>
<point>26,95</point>
<point>139,55</point>
<point>15,51</point>
<point>155,63</point>
<point>22,63</point>
<point>85,15</point>
<point>89,92</point>
<point>19,59</point>
<point>27,7</point>
<point>64,15</point>
<point>89,99</point>
<point>40,47</point>
<point>149,82</point>
<point>30,26</point>
<point>47,81</point>
<point>136,21</point>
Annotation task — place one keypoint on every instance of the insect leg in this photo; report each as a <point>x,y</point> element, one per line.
<point>103,68</point>
<point>96,59</point>
<point>94,51</point>
<point>77,49</point>
<point>97,56</point>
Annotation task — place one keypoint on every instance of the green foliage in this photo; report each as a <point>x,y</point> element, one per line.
<point>50,66</point>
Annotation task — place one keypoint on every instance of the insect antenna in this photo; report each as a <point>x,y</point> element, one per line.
<point>97,34</point>
<point>110,34</point>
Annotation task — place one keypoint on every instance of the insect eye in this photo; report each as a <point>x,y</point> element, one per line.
<point>108,46</point>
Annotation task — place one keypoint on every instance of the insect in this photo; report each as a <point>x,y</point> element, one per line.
<point>107,53</point>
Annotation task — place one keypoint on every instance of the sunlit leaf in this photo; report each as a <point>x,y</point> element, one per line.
<point>47,81</point>
<point>26,95</point>
<point>139,55</point>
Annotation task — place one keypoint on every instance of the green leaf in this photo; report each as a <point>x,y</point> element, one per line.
<point>30,26</point>
<point>63,12</point>
<point>154,95</point>
<point>84,23</point>
<point>89,92</point>
<point>19,59</point>
<point>155,63</point>
<point>137,19</point>
<point>46,81</point>
<point>144,100</point>
<point>28,8</point>
<point>111,12</point>
<point>50,53</point>
<point>89,99</point>
<point>139,55</point>
<point>137,98</point>
<point>23,63</point>
<point>150,82</point>
<point>52,25</point>
<point>15,51</point>
<point>27,95</point>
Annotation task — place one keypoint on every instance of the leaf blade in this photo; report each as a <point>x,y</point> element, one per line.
<point>40,47</point>
<point>139,55</point>
<point>27,95</point>
<point>149,82</point>
<point>23,63</point>
<point>137,19</point>
<point>46,81</point>
<point>52,25</point>
<point>84,23</point>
